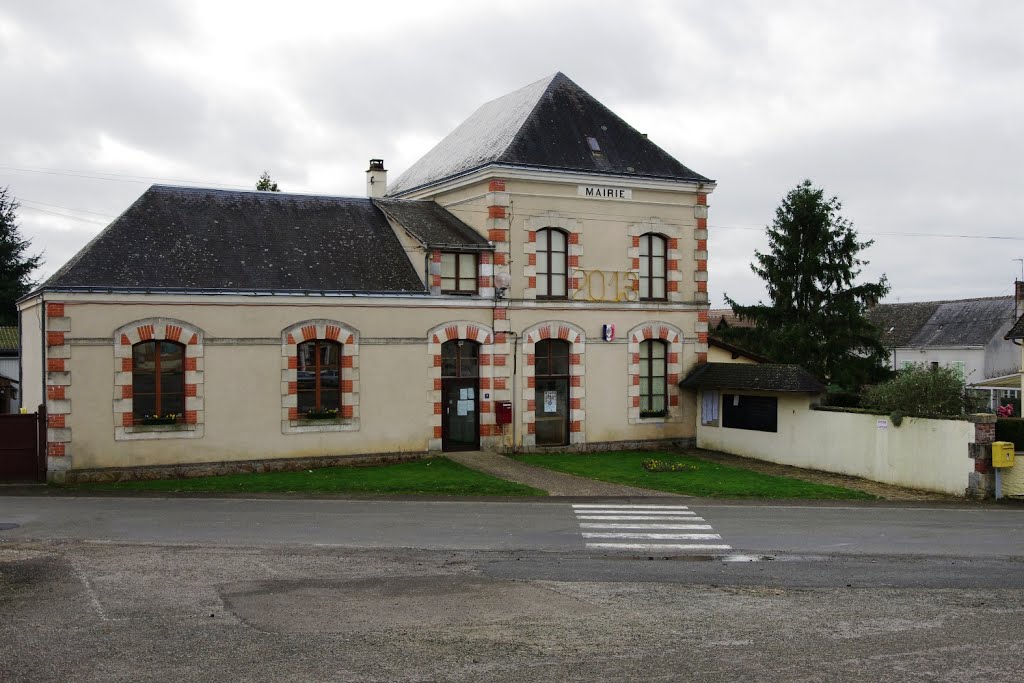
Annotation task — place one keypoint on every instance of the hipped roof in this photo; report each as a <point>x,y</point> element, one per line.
<point>545,125</point>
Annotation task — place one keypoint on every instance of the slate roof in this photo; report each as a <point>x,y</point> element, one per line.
<point>184,238</point>
<point>762,377</point>
<point>8,339</point>
<point>544,125</point>
<point>1017,331</point>
<point>963,322</point>
<point>432,225</point>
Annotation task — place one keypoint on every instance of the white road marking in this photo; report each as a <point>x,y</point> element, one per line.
<point>657,526</point>
<point>595,506</point>
<point>654,537</point>
<point>674,513</point>
<point>664,525</point>
<point>633,518</point>
<point>90,592</point>
<point>658,547</point>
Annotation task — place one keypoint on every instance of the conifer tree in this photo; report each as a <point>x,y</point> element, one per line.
<point>265,184</point>
<point>15,265</point>
<point>815,314</point>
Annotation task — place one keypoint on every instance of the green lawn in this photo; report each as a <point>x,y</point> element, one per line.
<point>709,479</point>
<point>438,476</point>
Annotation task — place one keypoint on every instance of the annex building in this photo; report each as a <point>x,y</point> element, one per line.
<point>537,280</point>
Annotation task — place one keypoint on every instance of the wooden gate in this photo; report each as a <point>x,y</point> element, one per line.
<point>23,446</point>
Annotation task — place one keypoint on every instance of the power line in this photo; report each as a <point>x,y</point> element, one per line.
<point>595,217</point>
<point>22,200</point>
<point>120,177</point>
<point>66,215</point>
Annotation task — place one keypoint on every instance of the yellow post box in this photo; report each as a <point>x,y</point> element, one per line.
<point>1002,454</point>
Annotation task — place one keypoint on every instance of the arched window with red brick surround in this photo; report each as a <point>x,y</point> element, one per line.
<point>158,382</point>
<point>319,377</point>
<point>158,372</point>
<point>655,366</point>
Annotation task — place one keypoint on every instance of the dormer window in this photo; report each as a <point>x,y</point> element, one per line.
<point>458,273</point>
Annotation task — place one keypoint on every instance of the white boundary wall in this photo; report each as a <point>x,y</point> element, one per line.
<point>925,454</point>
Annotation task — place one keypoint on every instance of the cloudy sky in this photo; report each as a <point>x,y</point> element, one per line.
<point>910,112</point>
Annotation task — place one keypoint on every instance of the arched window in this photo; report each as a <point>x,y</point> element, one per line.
<point>319,377</point>
<point>652,267</point>
<point>552,270</point>
<point>653,385</point>
<point>158,381</point>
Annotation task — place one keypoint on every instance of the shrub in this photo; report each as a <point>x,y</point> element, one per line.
<point>843,399</point>
<point>1011,429</point>
<point>920,391</point>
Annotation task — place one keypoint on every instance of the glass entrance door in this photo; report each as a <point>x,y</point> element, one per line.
<point>551,400</point>
<point>460,396</point>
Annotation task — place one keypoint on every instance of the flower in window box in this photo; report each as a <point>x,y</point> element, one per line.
<point>157,419</point>
<point>327,414</point>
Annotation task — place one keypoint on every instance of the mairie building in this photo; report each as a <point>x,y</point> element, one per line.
<point>537,281</point>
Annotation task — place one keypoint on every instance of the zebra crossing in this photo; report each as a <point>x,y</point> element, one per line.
<point>654,528</point>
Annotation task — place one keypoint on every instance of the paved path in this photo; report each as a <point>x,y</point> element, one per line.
<point>555,483</point>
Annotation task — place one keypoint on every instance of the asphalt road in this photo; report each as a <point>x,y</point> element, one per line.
<point>139,589</point>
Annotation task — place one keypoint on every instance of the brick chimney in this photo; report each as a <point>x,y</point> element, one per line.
<point>376,179</point>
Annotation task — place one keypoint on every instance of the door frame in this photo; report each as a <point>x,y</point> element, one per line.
<point>459,383</point>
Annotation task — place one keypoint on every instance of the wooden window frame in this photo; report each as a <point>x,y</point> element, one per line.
<point>545,234</point>
<point>158,393</point>
<point>458,291</point>
<point>318,390</point>
<point>647,283</point>
<point>647,371</point>
<point>459,345</point>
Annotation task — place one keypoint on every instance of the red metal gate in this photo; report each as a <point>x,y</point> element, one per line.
<point>23,447</point>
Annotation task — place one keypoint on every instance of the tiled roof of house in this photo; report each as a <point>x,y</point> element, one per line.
<point>762,377</point>
<point>432,225</point>
<point>963,322</point>
<point>1017,331</point>
<point>724,317</point>
<point>8,338</point>
<point>548,125</point>
<point>181,238</point>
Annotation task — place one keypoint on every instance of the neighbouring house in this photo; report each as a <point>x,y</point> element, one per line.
<point>9,370</point>
<point>1016,333</point>
<point>966,334</point>
<point>723,318</point>
<point>723,352</point>
<point>537,280</point>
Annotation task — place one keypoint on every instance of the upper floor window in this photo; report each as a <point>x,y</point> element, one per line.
<point>158,380</point>
<point>319,377</point>
<point>653,384</point>
<point>652,267</point>
<point>458,273</point>
<point>552,270</point>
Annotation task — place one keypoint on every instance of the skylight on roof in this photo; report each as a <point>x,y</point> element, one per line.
<point>594,146</point>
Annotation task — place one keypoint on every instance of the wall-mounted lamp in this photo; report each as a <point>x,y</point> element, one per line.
<point>502,281</point>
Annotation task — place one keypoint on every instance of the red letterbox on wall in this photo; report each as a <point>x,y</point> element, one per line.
<point>503,412</point>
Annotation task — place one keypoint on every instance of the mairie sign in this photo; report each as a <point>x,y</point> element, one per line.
<point>601,192</point>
